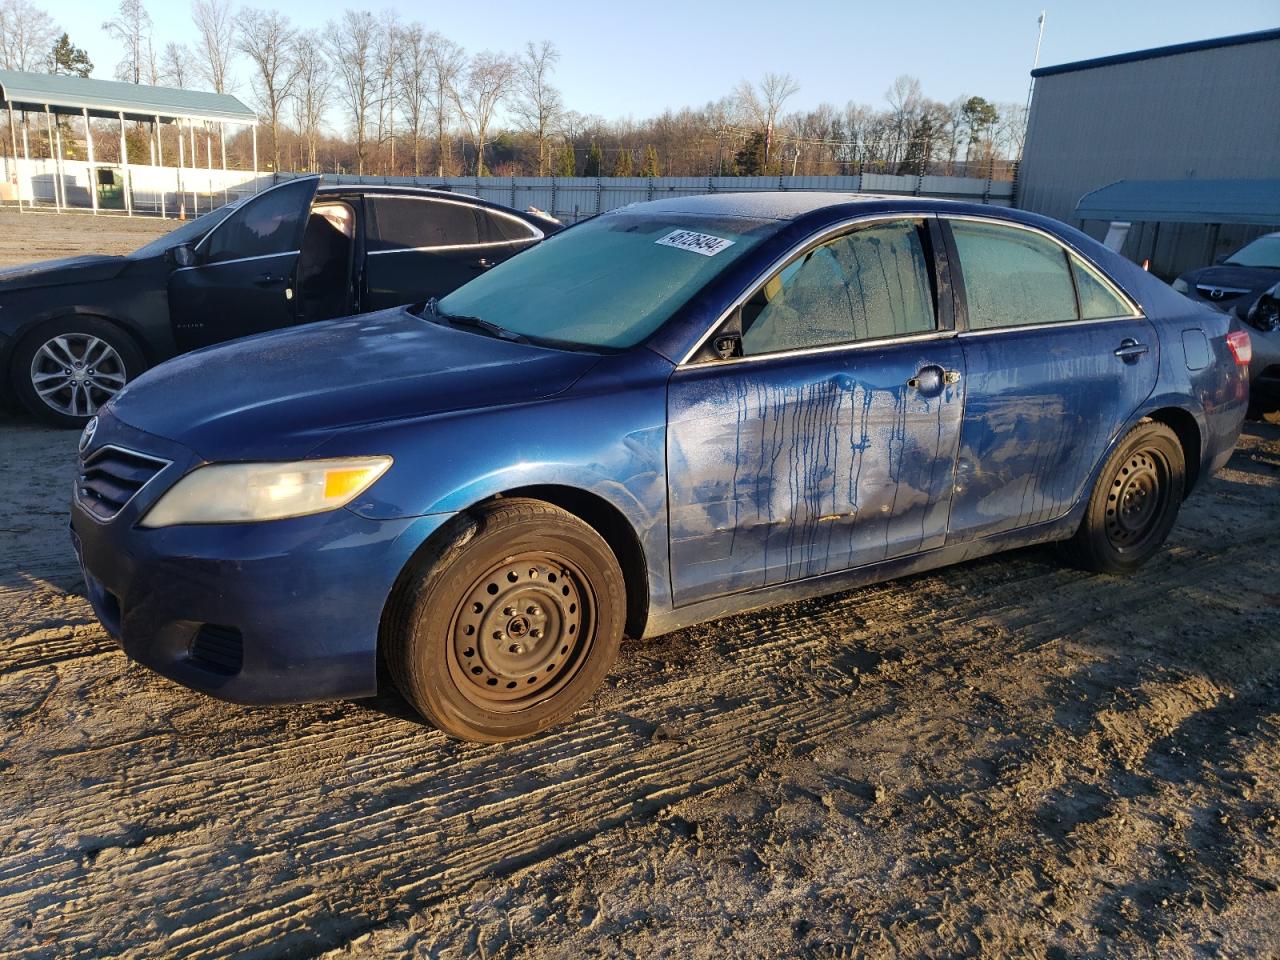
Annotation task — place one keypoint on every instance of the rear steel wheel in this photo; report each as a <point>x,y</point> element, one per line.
<point>1134,502</point>
<point>1137,499</point>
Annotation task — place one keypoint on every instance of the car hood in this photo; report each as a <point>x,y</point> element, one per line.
<point>1226,275</point>
<point>279,394</point>
<point>48,273</point>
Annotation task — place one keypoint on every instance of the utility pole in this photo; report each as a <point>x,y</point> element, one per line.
<point>1036,62</point>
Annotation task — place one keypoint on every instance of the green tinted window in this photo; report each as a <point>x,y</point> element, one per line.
<point>1097,301</point>
<point>869,284</point>
<point>1012,277</point>
<point>608,282</point>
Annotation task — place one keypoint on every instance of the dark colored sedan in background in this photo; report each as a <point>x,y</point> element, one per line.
<point>74,331</point>
<point>672,412</point>
<point>1246,273</point>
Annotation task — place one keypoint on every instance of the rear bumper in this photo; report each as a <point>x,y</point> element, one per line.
<point>279,612</point>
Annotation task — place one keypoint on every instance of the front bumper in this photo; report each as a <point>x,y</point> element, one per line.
<point>283,611</point>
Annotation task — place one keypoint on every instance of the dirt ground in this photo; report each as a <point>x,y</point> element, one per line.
<point>43,235</point>
<point>1007,758</point>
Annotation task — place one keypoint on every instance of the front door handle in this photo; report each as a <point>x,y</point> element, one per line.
<point>483,263</point>
<point>267,280</point>
<point>930,380</point>
<point>1130,350</point>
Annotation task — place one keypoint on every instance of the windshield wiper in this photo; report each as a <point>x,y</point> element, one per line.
<point>476,323</point>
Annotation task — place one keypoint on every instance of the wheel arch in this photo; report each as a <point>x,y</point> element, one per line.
<point>1184,425</point>
<point>88,313</point>
<point>595,511</point>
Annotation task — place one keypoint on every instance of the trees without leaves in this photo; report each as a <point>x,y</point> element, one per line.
<point>215,40</point>
<point>540,103</point>
<point>350,43</point>
<point>446,63</point>
<point>267,39</point>
<point>487,83</point>
<point>26,35</point>
<point>311,92</point>
<point>131,27</point>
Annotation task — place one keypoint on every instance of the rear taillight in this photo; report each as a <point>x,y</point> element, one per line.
<point>1241,347</point>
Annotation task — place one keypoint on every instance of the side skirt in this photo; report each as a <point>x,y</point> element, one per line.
<point>665,621</point>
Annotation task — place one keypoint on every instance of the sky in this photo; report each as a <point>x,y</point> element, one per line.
<point>623,60</point>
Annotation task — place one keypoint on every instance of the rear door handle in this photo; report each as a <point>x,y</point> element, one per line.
<point>267,280</point>
<point>1130,350</point>
<point>482,264</point>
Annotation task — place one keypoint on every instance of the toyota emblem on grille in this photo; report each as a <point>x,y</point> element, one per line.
<point>86,438</point>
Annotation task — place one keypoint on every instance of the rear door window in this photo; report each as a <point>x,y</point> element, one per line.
<point>404,223</point>
<point>869,284</point>
<point>1013,277</point>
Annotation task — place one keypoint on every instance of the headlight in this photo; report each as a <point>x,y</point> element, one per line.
<point>1180,285</point>
<point>244,492</point>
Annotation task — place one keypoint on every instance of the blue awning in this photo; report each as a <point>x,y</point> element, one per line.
<point>1184,201</point>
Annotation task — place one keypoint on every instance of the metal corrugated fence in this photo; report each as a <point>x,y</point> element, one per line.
<point>573,198</point>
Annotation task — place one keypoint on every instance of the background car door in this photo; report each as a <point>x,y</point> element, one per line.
<point>421,248</point>
<point>1058,361</point>
<point>830,442</point>
<point>243,280</point>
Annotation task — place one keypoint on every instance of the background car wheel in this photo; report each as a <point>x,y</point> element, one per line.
<point>66,369</point>
<point>509,624</point>
<point>1134,503</point>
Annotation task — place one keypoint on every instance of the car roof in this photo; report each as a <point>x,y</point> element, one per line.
<point>793,204</point>
<point>395,190</point>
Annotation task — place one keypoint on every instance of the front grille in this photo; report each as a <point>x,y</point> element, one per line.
<point>111,476</point>
<point>218,649</point>
<point>1215,293</point>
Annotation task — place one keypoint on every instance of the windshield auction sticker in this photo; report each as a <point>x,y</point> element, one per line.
<point>702,243</point>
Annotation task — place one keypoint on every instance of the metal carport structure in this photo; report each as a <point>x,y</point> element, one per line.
<point>1208,203</point>
<point>87,98</point>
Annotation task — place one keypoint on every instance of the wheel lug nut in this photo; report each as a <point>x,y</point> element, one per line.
<point>508,612</point>
<point>516,648</point>
<point>533,611</point>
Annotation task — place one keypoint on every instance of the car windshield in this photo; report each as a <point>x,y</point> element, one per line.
<point>608,282</point>
<point>188,232</point>
<point>1263,252</point>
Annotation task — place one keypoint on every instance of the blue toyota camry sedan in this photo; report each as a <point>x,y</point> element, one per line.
<point>668,413</point>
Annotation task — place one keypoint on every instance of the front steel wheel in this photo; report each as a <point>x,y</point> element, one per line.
<point>507,623</point>
<point>1134,502</point>
<point>522,631</point>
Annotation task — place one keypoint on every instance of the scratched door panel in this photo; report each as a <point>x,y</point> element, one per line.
<point>1042,406</point>
<point>798,466</point>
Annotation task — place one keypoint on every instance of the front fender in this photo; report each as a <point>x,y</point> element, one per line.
<point>606,438</point>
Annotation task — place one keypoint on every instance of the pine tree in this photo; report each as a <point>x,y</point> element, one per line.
<point>566,162</point>
<point>622,164</point>
<point>650,166</point>
<point>68,59</point>
<point>595,161</point>
<point>749,161</point>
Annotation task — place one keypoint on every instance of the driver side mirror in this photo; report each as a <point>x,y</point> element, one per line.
<point>183,256</point>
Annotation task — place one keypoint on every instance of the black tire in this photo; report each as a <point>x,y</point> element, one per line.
<point>1134,503</point>
<point>88,387</point>
<point>508,624</point>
